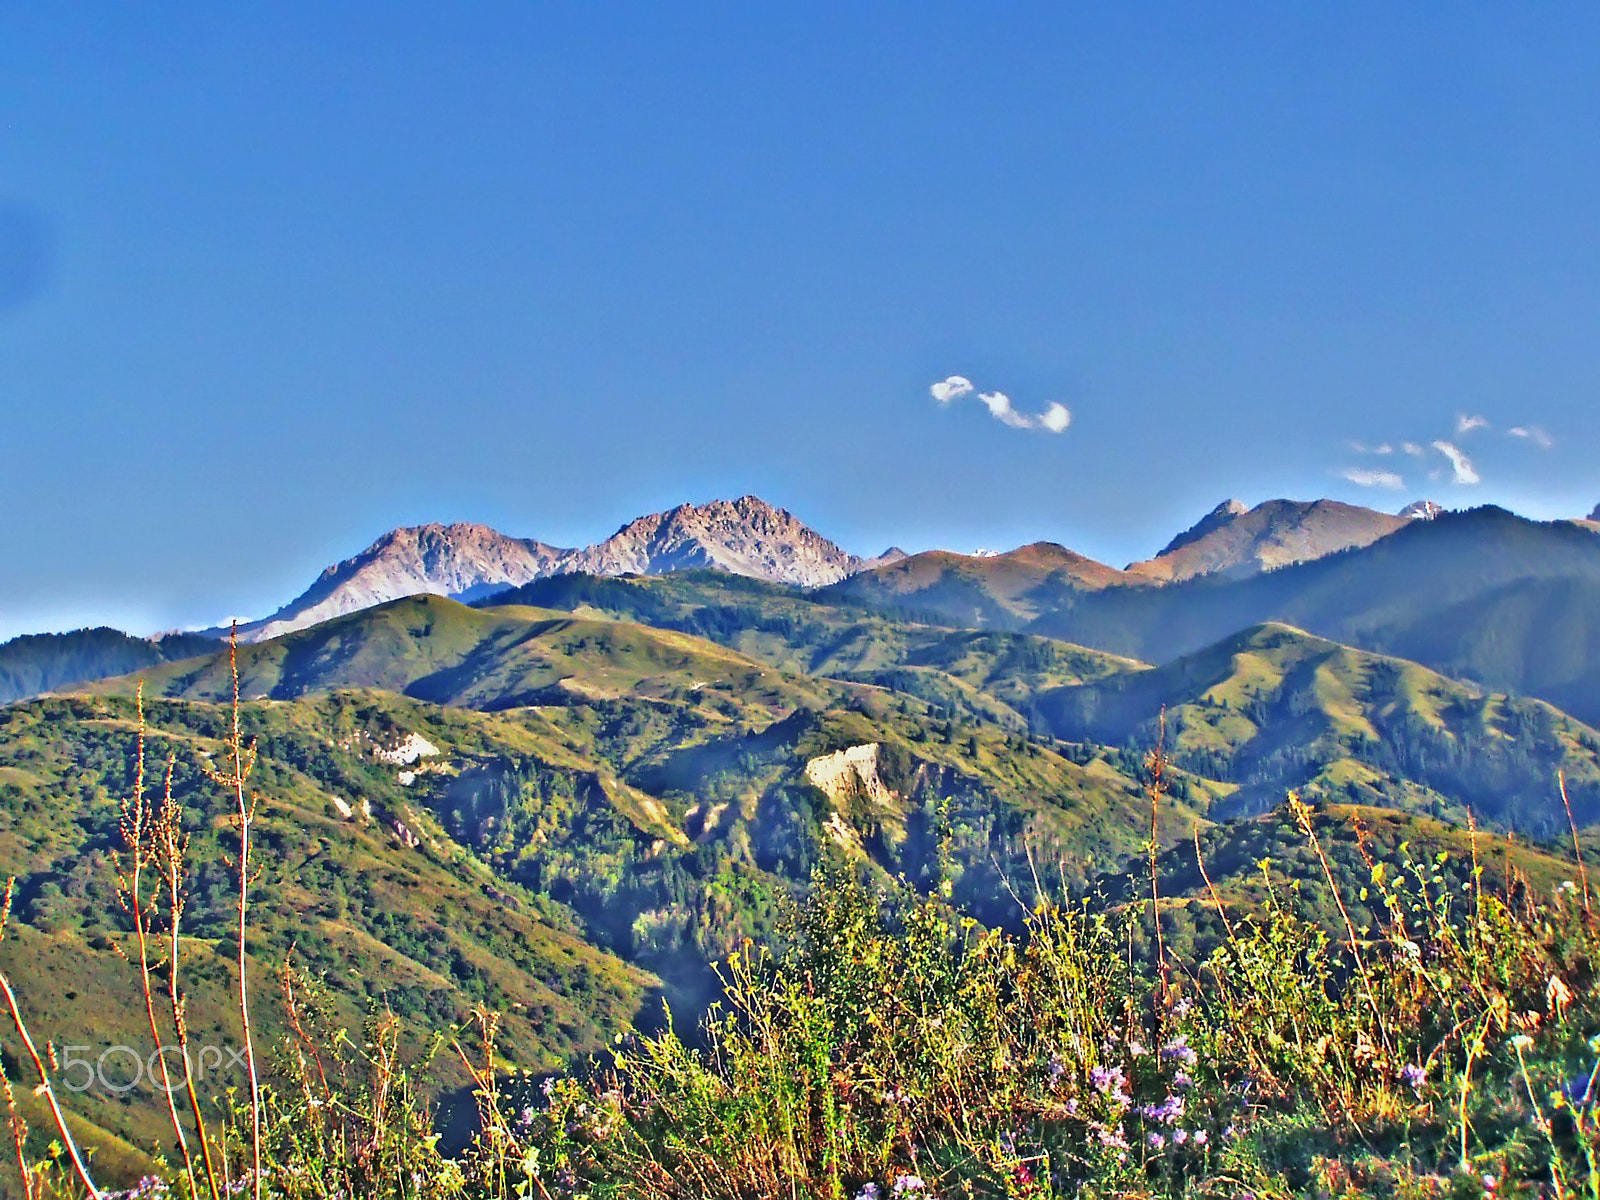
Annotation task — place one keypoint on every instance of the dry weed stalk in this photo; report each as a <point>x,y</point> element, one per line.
<point>1577,849</point>
<point>1301,811</point>
<point>1156,764</point>
<point>172,846</point>
<point>45,1088</point>
<point>140,837</point>
<point>244,761</point>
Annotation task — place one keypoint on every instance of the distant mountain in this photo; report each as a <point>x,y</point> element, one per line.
<point>1485,595</point>
<point>45,662</point>
<point>982,590</point>
<point>461,560</point>
<point>1232,541</point>
<point>747,536</point>
<point>1421,510</point>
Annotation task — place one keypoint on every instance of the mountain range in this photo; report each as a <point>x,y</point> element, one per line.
<point>463,561</point>
<point>750,537</point>
<point>569,795</point>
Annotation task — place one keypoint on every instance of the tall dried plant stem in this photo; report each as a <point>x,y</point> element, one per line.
<point>1577,850</point>
<point>19,1136</point>
<point>46,1089</point>
<point>173,847</point>
<point>1157,765</point>
<point>1302,815</point>
<point>1216,900</point>
<point>234,781</point>
<point>139,835</point>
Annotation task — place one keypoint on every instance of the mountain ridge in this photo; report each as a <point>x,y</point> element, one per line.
<point>466,561</point>
<point>1232,541</point>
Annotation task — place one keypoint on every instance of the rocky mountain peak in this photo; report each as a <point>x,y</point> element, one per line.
<point>465,561</point>
<point>462,560</point>
<point>1595,515</point>
<point>746,536</point>
<point>1421,510</point>
<point>1232,541</point>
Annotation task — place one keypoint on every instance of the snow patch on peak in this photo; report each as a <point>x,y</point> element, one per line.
<point>1421,510</point>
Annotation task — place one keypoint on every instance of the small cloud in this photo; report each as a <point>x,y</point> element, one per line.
<point>1056,418</point>
<point>951,389</point>
<point>1532,433</point>
<point>1466,424</point>
<point>1460,464</point>
<point>1412,449</point>
<point>1000,409</point>
<point>1380,448</point>
<point>1381,479</point>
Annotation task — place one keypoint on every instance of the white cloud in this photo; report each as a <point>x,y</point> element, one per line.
<point>1466,424</point>
<point>1000,409</point>
<point>1054,419</point>
<point>1383,479</point>
<point>1533,434</point>
<point>950,389</point>
<point>1459,463</point>
<point>1412,449</point>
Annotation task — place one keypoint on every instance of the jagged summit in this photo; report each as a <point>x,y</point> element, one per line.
<point>746,536</point>
<point>1233,541</point>
<point>1595,515</point>
<point>1421,510</point>
<point>461,560</point>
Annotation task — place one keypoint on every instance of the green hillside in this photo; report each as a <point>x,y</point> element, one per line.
<point>1274,708</point>
<point>360,880</point>
<point>435,649</point>
<point>992,675</point>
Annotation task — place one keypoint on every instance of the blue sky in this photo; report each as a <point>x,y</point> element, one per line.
<point>275,278</point>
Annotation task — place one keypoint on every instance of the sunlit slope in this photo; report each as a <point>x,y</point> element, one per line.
<point>991,674</point>
<point>1274,708</point>
<point>435,649</point>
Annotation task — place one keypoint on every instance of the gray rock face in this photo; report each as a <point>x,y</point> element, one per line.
<point>1231,541</point>
<point>744,537</point>
<point>1595,515</point>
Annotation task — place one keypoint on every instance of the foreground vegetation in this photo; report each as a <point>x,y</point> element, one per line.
<point>1440,1037</point>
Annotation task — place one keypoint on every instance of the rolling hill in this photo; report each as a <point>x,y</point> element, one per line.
<point>1273,709</point>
